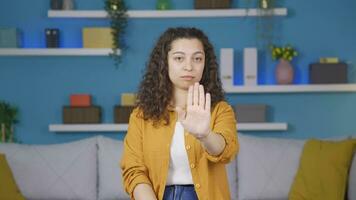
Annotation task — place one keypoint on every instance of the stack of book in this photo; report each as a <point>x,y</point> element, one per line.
<point>97,37</point>
<point>81,111</point>
<point>328,70</point>
<point>212,4</point>
<point>122,112</point>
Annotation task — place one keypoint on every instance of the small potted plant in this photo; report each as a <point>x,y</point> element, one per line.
<point>284,71</point>
<point>117,12</point>
<point>8,117</point>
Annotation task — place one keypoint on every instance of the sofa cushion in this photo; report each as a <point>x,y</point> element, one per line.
<point>8,186</point>
<point>266,166</point>
<point>352,178</point>
<point>323,170</point>
<point>56,171</point>
<point>110,178</point>
<point>231,170</point>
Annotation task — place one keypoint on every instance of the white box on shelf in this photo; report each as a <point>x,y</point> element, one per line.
<point>227,66</point>
<point>250,67</point>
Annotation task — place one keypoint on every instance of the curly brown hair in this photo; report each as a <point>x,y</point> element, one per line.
<point>156,89</point>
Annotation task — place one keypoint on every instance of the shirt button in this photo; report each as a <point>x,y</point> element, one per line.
<point>192,166</point>
<point>187,147</point>
<point>197,185</point>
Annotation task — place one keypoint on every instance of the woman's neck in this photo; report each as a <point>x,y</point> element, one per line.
<point>179,97</point>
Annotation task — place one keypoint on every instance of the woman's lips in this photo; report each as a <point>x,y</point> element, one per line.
<point>187,77</point>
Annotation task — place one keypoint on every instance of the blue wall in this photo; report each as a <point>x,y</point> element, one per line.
<point>40,86</point>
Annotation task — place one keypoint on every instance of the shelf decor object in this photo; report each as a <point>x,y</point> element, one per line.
<point>56,4</point>
<point>97,37</point>
<point>81,110</point>
<point>10,38</point>
<point>52,37</point>
<point>227,67</point>
<point>284,71</point>
<point>212,4</point>
<point>251,113</point>
<point>116,11</point>
<point>328,73</point>
<point>163,5</point>
<point>68,5</point>
<point>250,66</point>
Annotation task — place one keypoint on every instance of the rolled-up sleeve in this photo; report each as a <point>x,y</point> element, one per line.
<point>225,124</point>
<point>133,169</point>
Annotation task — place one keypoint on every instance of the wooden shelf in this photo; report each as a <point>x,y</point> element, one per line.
<point>123,127</point>
<point>55,52</point>
<point>242,12</point>
<point>292,88</point>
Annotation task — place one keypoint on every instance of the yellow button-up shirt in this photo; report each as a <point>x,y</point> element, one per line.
<point>146,154</point>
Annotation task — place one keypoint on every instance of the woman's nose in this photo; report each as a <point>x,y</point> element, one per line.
<point>188,66</point>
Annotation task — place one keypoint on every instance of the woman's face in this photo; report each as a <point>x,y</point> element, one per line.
<point>186,61</point>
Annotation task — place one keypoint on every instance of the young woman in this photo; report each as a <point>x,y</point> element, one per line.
<point>182,132</point>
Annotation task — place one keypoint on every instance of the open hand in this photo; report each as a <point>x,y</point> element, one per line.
<point>196,118</point>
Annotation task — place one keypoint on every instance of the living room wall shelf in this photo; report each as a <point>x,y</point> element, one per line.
<point>55,52</point>
<point>241,12</point>
<point>123,127</point>
<point>351,87</point>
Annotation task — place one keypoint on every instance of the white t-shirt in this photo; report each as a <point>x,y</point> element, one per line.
<point>179,171</point>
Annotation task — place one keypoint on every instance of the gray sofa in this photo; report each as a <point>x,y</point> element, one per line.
<point>88,169</point>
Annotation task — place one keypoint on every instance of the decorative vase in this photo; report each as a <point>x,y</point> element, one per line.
<point>163,5</point>
<point>68,5</point>
<point>56,4</point>
<point>284,72</point>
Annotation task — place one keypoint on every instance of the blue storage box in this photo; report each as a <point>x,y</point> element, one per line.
<point>10,38</point>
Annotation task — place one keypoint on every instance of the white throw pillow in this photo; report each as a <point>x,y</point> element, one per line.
<point>266,167</point>
<point>352,178</point>
<point>56,171</point>
<point>110,178</point>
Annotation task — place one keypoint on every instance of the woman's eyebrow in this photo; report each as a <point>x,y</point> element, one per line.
<point>178,52</point>
<point>181,52</point>
<point>199,52</point>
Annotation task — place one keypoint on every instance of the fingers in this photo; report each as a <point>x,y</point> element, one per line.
<point>207,102</point>
<point>190,96</point>
<point>201,97</point>
<point>197,97</point>
<point>196,94</point>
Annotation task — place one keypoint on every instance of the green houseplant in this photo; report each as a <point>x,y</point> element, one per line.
<point>267,24</point>
<point>8,117</point>
<point>284,71</point>
<point>117,12</point>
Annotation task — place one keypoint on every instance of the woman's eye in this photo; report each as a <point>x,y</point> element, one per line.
<point>179,58</point>
<point>198,59</point>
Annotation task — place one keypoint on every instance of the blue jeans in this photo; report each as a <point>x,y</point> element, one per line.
<point>180,192</point>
